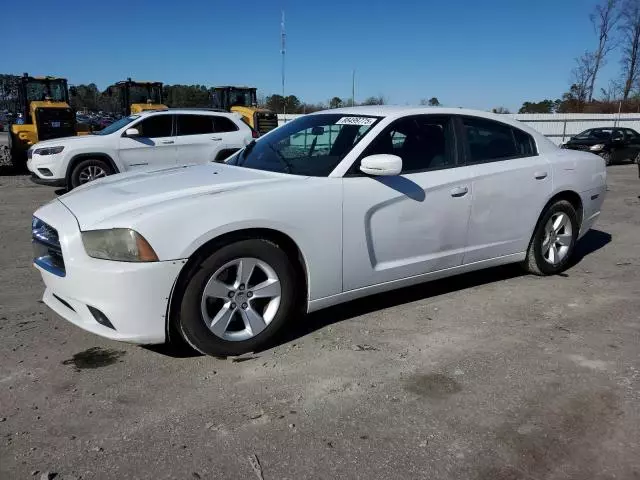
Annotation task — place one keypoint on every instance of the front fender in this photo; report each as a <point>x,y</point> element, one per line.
<point>309,212</point>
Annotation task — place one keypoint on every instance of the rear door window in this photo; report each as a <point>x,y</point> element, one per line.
<point>195,124</point>
<point>223,125</point>
<point>489,141</point>
<point>524,143</point>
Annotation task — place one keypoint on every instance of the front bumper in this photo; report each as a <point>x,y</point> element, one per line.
<point>132,296</point>
<point>54,164</point>
<point>49,182</point>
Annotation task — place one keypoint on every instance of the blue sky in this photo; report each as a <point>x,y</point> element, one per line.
<point>477,54</point>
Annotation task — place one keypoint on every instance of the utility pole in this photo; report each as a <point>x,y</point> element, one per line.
<point>353,87</point>
<point>283,37</point>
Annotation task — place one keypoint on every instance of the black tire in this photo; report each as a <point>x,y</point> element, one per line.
<point>606,156</point>
<point>75,179</point>
<point>190,322</point>
<point>17,156</point>
<point>535,262</point>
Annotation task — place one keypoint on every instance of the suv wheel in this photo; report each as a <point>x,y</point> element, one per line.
<point>89,170</point>
<point>238,299</point>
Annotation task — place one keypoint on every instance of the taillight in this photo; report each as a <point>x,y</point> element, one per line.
<point>254,134</point>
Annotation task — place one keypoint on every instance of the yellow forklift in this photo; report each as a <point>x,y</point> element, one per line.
<point>135,97</point>
<point>43,114</point>
<point>243,100</point>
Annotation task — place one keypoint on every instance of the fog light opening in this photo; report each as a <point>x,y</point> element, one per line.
<point>46,172</point>
<point>100,317</point>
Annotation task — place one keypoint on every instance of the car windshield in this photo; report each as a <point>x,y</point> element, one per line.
<point>595,133</point>
<point>144,93</point>
<point>311,145</point>
<point>114,127</point>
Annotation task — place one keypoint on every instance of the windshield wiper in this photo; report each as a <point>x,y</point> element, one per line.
<point>282,159</point>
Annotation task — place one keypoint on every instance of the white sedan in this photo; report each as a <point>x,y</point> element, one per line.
<point>327,208</point>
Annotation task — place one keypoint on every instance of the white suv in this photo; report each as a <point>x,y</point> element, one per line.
<point>151,139</point>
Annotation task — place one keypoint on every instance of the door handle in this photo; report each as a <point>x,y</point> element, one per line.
<point>216,139</point>
<point>459,191</point>
<point>167,142</point>
<point>540,175</point>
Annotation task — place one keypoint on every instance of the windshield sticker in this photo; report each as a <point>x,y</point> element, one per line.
<point>356,121</point>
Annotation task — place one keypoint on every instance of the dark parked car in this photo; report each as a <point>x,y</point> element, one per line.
<point>612,144</point>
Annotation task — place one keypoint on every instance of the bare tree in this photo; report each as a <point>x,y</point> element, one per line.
<point>630,61</point>
<point>604,20</point>
<point>611,93</point>
<point>582,75</point>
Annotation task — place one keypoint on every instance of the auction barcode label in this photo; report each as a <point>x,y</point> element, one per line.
<point>356,121</point>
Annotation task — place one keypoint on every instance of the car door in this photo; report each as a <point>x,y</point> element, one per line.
<point>154,146</point>
<point>196,139</point>
<point>511,184</point>
<point>632,144</point>
<point>232,137</point>
<point>620,149</point>
<point>414,223</point>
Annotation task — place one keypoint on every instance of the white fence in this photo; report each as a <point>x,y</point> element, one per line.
<point>558,127</point>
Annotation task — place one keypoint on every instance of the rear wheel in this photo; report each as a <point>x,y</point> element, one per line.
<point>17,156</point>
<point>89,170</point>
<point>554,239</point>
<point>237,299</point>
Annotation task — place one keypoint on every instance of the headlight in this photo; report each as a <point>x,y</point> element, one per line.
<point>119,244</point>
<point>48,150</point>
<point>597,148</point>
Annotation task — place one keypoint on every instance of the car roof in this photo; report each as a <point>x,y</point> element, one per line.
<point>396,111</point>
<point>392,112</point>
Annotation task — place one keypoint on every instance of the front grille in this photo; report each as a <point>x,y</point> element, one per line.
<point>47,252</point>
<point>578,147</point>
<point>266,122</point>
<point>55,123</point>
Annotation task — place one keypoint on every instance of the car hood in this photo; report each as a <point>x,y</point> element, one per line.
<point>588,141</point>
<point>64,141</point>
<point>137,192</point>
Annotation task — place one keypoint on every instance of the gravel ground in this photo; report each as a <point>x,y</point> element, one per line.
<point>492,375</point>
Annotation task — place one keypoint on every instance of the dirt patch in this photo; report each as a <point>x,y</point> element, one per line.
<point>433,385</point>
<point>95,357</point>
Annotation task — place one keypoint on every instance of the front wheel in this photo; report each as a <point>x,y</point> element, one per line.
<point>606,156</point>
<point>236,300</point>
<point>89,170</point>
<point>554,239</point>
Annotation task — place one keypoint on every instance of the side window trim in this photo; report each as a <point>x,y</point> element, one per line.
<point>467,151</point>
<point>354,170</point>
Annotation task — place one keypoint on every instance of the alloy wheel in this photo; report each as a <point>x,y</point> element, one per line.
<point>90,173</point>
<point>557,239</point>
<point>240,299</point>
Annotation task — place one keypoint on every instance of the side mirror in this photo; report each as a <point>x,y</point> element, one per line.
<point>132,132</point>
<point>381,165</point>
